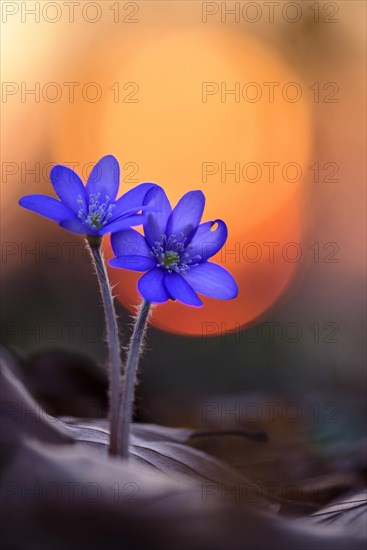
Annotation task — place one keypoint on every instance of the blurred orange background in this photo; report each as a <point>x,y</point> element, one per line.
<point>157,114</point>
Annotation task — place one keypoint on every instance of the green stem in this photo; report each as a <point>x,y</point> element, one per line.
<point>128,389</point>
<point>113,341</point>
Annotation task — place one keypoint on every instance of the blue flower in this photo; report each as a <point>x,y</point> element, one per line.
<point>175,251</point>
<point>91,209</point>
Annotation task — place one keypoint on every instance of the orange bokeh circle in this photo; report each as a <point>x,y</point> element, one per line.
<point>175,132</point>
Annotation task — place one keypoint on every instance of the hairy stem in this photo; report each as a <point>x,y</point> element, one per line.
<point>128,389</point>
<point>113,341</point>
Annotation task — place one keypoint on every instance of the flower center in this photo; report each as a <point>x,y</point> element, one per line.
<point>171,254</point>
<point>170,258</point>
<point>98,214</point>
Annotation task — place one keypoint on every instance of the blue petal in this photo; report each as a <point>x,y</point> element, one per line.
<point>133,262</point>
<point>133,199</point>
<point>104,178</point>
<point>179,289</point>
<point>212,280</point>
<point>121,223</point>
<point>156,222</point>
<point>151,286</point>
<point>46,206</point>
<point>76,226</point>
<point>187,213</point>
<point>206,241</point>
<point>128,243</point>
<point>69,187</point>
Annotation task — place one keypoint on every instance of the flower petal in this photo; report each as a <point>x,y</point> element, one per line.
<point>121,223</point>
<point>212,280</point>
<point>187,214</point>
<point>180,289</point>
<point>206,241</point>
<point>76,226</point>
<point>156,221</point>
<point>46,206</point>
<point>129,243</point>
<point>104,178</point>
<point>133,262</point>
<point>131,199</point>
<point>151,286</point>
<point>69,187</point>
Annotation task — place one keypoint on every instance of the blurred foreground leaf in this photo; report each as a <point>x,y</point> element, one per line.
<point>164,449</point>
<point>59,492</point>
<point>349,512</point>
